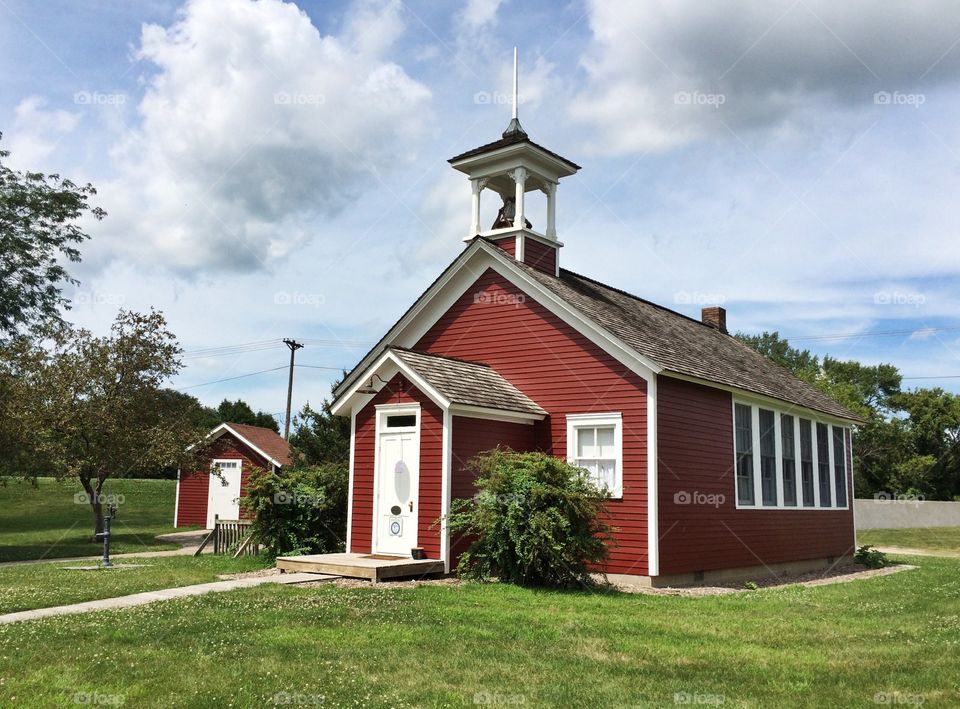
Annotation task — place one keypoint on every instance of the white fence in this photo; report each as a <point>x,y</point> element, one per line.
<point>904,512</point>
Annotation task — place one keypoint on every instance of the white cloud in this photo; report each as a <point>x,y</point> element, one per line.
<point>36,132</point>
<point>254,130</point>
<point>660,77</point>
<point>478,13</point>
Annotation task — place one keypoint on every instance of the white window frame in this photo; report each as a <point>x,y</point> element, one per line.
<point>578,421</point>
<point>797,414</point>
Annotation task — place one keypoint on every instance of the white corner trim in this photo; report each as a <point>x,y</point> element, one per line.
<point>445,489</point>
<point>176,501</point>
<point>614,419</point>
<point>653,468</point>
<point>353,449</point>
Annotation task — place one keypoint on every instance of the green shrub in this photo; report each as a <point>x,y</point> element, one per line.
<point>535,521</point>
<point>299,511</point>
<point>870,557</point>
<point>750,585</point>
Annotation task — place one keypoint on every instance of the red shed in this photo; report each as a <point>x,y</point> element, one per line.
<point>719,462</point>
<point>235,449</point>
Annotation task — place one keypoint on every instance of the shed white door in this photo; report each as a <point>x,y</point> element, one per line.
<point>398,474</point>
<point>223,498</point>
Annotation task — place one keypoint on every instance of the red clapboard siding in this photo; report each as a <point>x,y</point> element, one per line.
<point>695,452</point>
<point>509,245</point>
<point>194,486</point>
<point>540,256</point>
<point>496,323</point>
<point>470,437</point>
<point>398,391</point>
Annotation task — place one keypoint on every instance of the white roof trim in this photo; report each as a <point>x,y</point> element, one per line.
<point>225,428</point>
<point>499,261</point>
<point>490,414</point>
<point>340,405</point>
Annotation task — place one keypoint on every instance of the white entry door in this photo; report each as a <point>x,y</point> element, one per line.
<point>398,475</point>
<point>223,498</point>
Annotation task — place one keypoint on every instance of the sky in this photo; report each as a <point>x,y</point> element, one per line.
<point>279,170</point>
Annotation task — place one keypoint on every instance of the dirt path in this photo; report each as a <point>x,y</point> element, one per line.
<point>907,551</point>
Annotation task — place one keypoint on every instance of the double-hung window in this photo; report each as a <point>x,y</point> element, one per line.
<point>595,443</point>
<point>768,457</point>
<point>744,453</point>
<point>806,462</point>
<point>823,464</point>
<point>789,461</point>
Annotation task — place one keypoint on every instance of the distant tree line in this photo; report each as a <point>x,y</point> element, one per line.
<point>910,443</point>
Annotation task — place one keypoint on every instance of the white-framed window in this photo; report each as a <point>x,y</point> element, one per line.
<point>784,461</point>
<point>595,443</point>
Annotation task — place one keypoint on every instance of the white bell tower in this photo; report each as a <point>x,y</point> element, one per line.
<point>511,167</point>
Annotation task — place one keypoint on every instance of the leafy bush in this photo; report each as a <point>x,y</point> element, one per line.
<point>299,511</point>
<point>870,557</point>
<point>750,585</point>
<point>535,521</point>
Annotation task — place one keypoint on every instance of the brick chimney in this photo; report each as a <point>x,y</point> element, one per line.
<point>715,317</point>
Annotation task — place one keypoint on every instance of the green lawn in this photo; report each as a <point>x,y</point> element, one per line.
<point>896,638</point>
<point>933,538</point>
<point>47,521</point>
<point>52,584</point>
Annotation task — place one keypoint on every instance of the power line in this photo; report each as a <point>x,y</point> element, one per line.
<point>886,333</point>
<point>230,379</point>
<point>945,376</point>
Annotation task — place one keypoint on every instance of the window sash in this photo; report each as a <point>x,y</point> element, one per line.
<point>782,461</point>
<point>595,443</point>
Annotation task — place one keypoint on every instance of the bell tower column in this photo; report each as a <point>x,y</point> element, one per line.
<point>520,178</point>
<point>550,189</point>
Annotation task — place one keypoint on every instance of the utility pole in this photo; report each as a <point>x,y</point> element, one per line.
<point>294,346</point>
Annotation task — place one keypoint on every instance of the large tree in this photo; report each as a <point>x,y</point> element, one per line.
<point>319,437</point>
<point>240,411</point>
<point>95,407</point>
<point>39,231</point>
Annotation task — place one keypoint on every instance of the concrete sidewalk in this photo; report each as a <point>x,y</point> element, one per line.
<point>166,594</point>
<point>189,542</point>
<point>907,551</point>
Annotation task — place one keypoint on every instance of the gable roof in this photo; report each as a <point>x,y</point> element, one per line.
<point>658,336</point>
<point>683,345</point>
<point>468,383</point>
<point>264,441</point>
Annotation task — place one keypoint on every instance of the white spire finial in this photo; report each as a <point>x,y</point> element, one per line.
<point>514,82</point>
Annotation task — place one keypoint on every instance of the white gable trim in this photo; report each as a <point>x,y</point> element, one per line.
<point>489,414</point>
<point>225,428</point>
<point>461,275</point>
<point>387,366</point>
